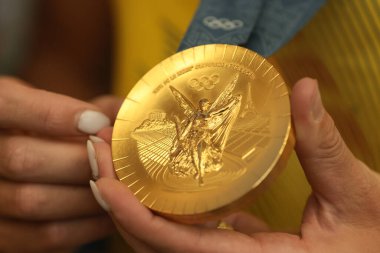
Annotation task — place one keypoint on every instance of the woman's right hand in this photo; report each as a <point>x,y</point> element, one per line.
<point>45,201</point>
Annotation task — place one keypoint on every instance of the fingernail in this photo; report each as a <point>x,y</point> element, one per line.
<point>92,159</point>
<point>95,139</point>
<point>97,196</point>
<point>317,106</point>
<point>91,122</point>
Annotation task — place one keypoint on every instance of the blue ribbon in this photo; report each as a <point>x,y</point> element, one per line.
<point>261,25</point>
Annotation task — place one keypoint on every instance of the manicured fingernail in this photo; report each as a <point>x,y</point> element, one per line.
<point>92,159</point>
<point>95,139</point>
<point>317,106</point>
<point>97,196</point>
<point>91,122</point>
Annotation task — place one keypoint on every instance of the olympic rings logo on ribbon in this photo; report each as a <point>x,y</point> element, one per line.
<point>204,82</point>
<point>222,23</point>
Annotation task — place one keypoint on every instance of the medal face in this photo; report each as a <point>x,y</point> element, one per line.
<point>201,131</point>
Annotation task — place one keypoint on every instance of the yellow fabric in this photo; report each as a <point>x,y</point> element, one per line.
<point>146,33</point>
<point>339,47</point>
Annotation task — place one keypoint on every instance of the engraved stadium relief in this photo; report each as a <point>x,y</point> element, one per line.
<point>191,145</point>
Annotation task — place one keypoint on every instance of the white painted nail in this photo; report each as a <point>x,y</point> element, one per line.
<point>95,139</point>
<point>92,159</point>
<point>91,122</point>
<point>97,196</point>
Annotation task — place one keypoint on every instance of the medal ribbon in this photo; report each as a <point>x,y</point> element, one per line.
<point>261,25</point>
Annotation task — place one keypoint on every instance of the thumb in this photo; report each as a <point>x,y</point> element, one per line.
<point>333,172</point>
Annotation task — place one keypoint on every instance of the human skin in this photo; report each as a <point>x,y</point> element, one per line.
<point>341,215</point>
<point>45,202</point>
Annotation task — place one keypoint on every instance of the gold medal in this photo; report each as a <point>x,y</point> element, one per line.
<point>202,132</point>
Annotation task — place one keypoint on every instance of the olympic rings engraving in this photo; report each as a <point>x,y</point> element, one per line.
<point>222,23</point>
<point>204,82</point>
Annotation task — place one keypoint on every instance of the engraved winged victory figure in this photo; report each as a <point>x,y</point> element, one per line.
<point>202,135</point>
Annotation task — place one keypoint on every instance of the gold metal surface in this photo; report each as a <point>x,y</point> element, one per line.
<point>200,133</point>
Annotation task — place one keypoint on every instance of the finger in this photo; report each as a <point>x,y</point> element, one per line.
<point>30,159</point>
<point>332,170</point>
<point>246,223</point>
<point>109,104</point>
<point>99,155</point>
<point>26,108</point>
<point>52,236</point>
<point>159,233</point>
<point>45,202</point>
<point>106,134</point>
<point>136,244</point>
